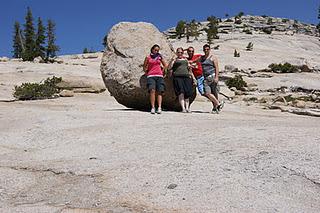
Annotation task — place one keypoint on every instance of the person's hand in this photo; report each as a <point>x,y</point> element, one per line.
<point>216,79</point>
<point>194,83</point>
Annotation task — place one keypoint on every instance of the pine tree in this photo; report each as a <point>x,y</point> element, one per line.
<point>318,26</point>
<point>40,50</point>
<point>180,28</point>
<point>188,32</point>
<point>52,48</point>
<point>194,31</point>
<point>105,41</point>
<point>212,30</point>
<point>85,50</point>
<point>18,41</point>
<point>210,36</point>
<point>236,53</point>
<point>240,14</point>
<point>29,53</point>
<point>249,46</point>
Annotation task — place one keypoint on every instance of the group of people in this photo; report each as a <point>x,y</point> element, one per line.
<point>187,71</point>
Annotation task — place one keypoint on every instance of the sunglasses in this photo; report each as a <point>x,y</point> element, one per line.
<point>207,49</point>
<point>179,52</point>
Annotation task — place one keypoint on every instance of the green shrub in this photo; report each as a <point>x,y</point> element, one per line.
<point>247,31</point>
<point>34,91</point>
<point>236,82</point>
<point>238,21</point>
<point>267,30</point>
<point>295,26</point>
<point>270,21</point>
<point>249,46</point>
<point>283,68</point>
<point>236,53</point>
<point>288,68</point>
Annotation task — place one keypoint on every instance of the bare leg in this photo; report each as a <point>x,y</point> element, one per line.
<point>182,102</point>
<point>213,99</point>
<point>152,98</point>
<point>160,101</point>
<point>215,91</point>
<point>187,103</point>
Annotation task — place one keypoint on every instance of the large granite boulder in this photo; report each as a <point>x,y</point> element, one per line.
<point>122,64</point>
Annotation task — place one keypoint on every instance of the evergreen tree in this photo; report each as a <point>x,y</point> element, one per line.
<point>85,50</point>
<point>318,26</point>
<point>105,38</point>
<point>249,46</point>
<point>240,14</point>
<point>180,28</point>
<point>188,31</point>
<point>18,42</point>
<point>52,48</point>
<point>29,53</point>
<point>212,30</point>
<point>194,31</point>
<point>40,50</point>
<point>236,53</point>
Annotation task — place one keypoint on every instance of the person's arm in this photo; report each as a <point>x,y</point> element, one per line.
<point>216,65</point>
<point>194,80</point>
<point>165,66</point>
<point>171,62</point>
<point>145,65</point>
<point>198,59</point>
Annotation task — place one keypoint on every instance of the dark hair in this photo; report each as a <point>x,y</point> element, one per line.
<point>179,48</point>
<point>206,45</point>
<point>190,48</point>
<point>154,46</point>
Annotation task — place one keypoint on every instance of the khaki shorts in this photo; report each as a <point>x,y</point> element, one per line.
<point>210,86</point>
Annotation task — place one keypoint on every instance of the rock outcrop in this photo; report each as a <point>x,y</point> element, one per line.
<point>258,24</point>
<point>122,64</point>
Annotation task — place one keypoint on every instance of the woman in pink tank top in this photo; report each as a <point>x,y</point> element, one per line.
<point>155,82</point>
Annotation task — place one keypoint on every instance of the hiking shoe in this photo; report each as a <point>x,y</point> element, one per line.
<point>220,106</point>
<point>215,110</point>
<point>159,111</point>
<point>153,111</point>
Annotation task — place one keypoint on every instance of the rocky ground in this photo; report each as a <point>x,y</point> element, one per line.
<point>87,153</point>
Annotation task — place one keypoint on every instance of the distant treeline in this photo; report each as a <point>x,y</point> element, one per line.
<point>30,42</point>
<point>193,28</point>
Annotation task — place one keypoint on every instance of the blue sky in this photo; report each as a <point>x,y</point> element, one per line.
<point>83,23</point>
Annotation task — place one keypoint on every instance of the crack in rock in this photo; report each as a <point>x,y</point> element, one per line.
<point>118,53</point>
<point>303,175</point>
<point>28,169</point>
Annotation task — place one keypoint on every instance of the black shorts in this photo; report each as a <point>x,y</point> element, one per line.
<point>183,85</point>
<point>156,83</point>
